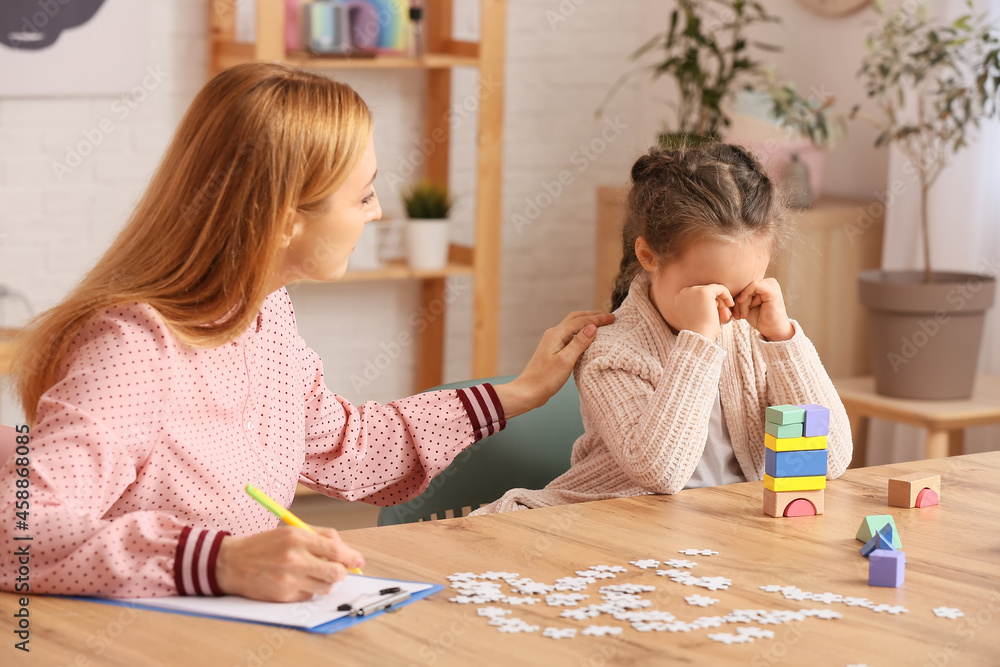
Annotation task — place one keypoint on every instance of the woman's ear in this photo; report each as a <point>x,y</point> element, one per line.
<point>291,227</point>
<point>646,255</point>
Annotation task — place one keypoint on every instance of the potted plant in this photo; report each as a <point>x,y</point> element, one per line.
<point>933,83</point>
<point>706,52</point>
<point>427,239</point>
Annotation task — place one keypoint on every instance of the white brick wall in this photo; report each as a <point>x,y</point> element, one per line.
<point>562,55</point>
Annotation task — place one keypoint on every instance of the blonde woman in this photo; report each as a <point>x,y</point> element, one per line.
<point>173,375</point>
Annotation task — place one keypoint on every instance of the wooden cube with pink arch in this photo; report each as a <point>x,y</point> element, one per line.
<point>914,490</point>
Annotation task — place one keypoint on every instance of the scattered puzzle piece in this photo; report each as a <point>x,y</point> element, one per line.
<point>493,612</point>
<point>646,563</point>
<point>601,630</point>
<point>700,600</point>
<point>559,633</point>
<point>948,612</point>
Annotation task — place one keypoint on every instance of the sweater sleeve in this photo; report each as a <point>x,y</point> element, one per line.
<point>388,454</point>
<point>86,450</point>
<point>654,426</point>
<point>795,375</point>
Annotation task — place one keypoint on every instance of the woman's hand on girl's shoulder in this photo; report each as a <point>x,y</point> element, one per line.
<point>551,364</point>
<point>763,307</point>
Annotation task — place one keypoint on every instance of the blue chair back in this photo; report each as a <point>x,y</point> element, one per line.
<point>529,453</point>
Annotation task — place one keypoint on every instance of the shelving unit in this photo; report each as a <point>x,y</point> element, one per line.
<point>444,53</point>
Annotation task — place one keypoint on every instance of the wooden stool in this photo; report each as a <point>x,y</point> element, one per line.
<point>944,420</point>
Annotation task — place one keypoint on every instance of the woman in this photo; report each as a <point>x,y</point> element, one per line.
<point>173,375</point>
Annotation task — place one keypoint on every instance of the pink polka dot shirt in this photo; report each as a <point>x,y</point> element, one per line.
<point>143,448</point>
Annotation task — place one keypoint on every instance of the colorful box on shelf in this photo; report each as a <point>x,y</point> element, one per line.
<point>348,27</point>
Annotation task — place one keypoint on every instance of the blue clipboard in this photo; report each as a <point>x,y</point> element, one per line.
<point>327,628</point>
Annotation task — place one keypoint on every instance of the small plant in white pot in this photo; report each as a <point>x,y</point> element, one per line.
<point>427,232</point>
<point>934,82</point>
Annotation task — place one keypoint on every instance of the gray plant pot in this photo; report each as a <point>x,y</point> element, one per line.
<point>924,337</point>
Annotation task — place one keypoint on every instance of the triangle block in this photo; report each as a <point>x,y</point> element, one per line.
<point>881,540</point>
<point>874,523</point>
<point>926,498</point>
<point>800,507</point>
<point>883,543</point>
<point>869,546</point>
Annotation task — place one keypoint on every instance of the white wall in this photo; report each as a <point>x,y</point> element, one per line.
<point>562,56</point>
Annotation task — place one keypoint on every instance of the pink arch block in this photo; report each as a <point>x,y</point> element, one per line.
<point>800,507</point>
<point>926,498</point>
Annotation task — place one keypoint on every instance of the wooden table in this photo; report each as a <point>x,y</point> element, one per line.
<point>944,420</point>
<point>953,554</point>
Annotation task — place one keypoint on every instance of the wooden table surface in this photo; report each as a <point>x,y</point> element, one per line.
<point>952,550</point>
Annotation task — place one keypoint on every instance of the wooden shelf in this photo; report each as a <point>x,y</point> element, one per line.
<point>228,54</point>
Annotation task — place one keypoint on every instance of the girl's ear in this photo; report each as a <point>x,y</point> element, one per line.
<point>646,255</point>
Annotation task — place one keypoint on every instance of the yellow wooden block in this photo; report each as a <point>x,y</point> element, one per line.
<point>794,483</point>
<point>794,444</point>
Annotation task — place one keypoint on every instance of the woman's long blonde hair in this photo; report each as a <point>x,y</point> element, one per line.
<point>202,245</point>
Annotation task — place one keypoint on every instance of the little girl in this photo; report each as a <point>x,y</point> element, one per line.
<point>673,394</point>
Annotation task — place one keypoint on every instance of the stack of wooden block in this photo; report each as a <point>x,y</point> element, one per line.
<point>795,459</point>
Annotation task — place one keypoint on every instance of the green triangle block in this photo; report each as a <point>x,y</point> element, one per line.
<point>873,524</point>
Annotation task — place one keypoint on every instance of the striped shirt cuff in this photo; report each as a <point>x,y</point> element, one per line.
<point>484,408</point>
<point>194,563</point>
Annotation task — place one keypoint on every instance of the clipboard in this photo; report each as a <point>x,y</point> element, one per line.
<point>319,615</point>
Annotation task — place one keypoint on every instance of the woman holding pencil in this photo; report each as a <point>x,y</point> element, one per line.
<point>174,375</point>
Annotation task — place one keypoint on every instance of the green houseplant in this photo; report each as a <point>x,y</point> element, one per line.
<point>933,82</point>
<point>706,52</point>
<point>427,207</point>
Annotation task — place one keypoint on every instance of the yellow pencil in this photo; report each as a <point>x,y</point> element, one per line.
<point>282,513</point>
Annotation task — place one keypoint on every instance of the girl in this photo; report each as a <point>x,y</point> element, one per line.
<point>173,375</point>
<point>673,394</point>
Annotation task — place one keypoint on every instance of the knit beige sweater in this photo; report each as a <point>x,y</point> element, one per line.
<point>646,396</point>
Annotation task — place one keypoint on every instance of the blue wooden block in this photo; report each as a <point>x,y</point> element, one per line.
<point>886,568</point>
<point>798,463</point>
<point>884,539</point>
<point>817,420</point>
<point>881,540</point>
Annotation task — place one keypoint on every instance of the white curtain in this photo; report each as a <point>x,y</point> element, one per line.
<point>964,213</point>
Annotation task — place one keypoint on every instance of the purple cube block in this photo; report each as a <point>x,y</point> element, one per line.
<point>817,421</point>
<point>886,568</point>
